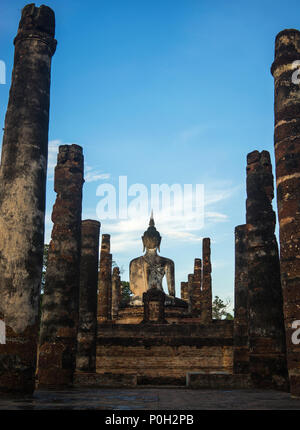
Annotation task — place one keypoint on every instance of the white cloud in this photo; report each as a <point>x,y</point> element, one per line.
<point>90,173</point>
<point>126,233</point>
<point>93,175</point>
<point>52,157</point>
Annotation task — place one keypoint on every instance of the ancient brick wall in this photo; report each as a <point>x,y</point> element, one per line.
<point>163,354</point>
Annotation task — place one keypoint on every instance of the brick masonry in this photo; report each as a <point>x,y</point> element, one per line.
<point>287,154</point>
<point>22,196</point>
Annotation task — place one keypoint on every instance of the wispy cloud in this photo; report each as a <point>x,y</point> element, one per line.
<point>52,157</point>
<point>91,174</point>
<point>126,233</point>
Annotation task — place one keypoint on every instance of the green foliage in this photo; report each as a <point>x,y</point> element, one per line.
<point>125,293</point>
<point>220,309</point>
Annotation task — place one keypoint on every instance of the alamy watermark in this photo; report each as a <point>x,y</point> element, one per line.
<point>176,200</point>
<point>296,73</point>
<point>296,333</point>
<point>2,73</point>
<point>2,333</point>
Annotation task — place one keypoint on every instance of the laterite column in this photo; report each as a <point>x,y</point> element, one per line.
<point>22,196</point>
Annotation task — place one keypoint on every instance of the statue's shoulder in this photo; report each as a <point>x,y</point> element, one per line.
<point>136,260</point>
<point>167,260</point>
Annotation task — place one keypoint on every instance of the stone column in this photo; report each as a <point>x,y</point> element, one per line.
<point>197,284</point>
<point>184,291</point>
<point>206,282</point>
<point>191,292</point>
<point>59,322</point>
<point>287,154</point>
<point>22,196</point>
<point>240,332</point>
<point>109,288</point>
<point>104,280</point>
<point>87,330</point>
<point>116,292</point>
<point>266,327</point>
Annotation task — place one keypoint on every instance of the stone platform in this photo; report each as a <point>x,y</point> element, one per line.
<point>173,314</point>
<point>162,354</point>
<point>152,399</point>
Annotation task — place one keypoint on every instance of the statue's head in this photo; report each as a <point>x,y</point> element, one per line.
<point>151,238</point>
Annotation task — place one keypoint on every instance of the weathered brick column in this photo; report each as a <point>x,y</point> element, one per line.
<point>184,291</point>
<point>22,196</point>
<point>87,330</point>
<point>197,285</point>
<point>59,322</point>
<point>240,333</point>
<point>116,292</point>
<point>287,154</point>
<point>206,282</point>
<point>190,292</point>
<point>104,280</point>
<point>267,359</point>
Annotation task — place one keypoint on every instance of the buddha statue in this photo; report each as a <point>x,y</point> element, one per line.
<point>148,271</point>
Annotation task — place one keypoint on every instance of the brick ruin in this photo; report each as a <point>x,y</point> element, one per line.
<point>88,336</point>
<point>267,360</point>
<point>241,310</point>
<point>87,325</point>
<point>287,155</point>
<point>60,302</point>
<point>22,196</point>
<point>105,280</point>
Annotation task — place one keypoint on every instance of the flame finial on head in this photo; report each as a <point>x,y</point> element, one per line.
<point>151,222</point>
<point>151,238</point>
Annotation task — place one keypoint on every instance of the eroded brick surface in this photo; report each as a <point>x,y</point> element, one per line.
<point>22,196</point>
<point>184,291</point>
<point>163,353</point>
<point>105,280</point>
<point>240,333</point>
<point>59,322</point>
<point>197,288</point>
<point>267,358</point>
<point>206,282</point>
<point>87,329</point>
<point>287,154</point>
<point>115,292</point>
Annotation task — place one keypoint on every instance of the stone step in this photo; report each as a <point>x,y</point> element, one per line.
<point>217,380</point>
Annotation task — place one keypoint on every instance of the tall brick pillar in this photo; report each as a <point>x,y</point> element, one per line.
<point>22,196</point>
<point>206,282</point>
<point>266,327</point>
<point>287,154</point>
<point>104,280</point>
<point>87,329</point>
<point>240,332</point>
<point>184,291</point>
<point>116,292</point>
<point>197,285</point>
<point>59,321</point>
<point>190,289</point>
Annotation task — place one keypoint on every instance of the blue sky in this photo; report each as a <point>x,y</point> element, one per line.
<point>162,91</point>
